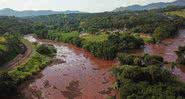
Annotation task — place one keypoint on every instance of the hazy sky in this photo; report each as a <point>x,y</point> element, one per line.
<point>82,5</point>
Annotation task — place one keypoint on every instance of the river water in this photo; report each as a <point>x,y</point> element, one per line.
<point>79,76</point>
<point>167,49</point>
<point>82,76</point>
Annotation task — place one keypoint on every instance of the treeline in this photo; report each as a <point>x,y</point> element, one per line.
<point>154,22</point>
<point>142,77</point>
<point>15,25</point>
<point>106,47</point>
<point>10,47</point>
<point>115,43</point>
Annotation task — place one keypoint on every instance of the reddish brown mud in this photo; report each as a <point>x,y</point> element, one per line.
<point>167,49</point>
<point>82,76</point>
<point>79,76</point>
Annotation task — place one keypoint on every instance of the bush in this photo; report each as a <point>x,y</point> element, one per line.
<point>148,82</point>
<point>144,60</point>
<point>7,85</point>
<point>141,77</point>
<point>181,55</point>
<point>48,50</point>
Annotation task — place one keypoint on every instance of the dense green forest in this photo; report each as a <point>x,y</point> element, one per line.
<point>105,35</point>
<point>142,77</point>
<point>15,25</point>
<point>154,22</point>
<point>103,45</point>
<point>10,47</point>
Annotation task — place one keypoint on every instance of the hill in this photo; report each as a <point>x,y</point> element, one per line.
<point>26,13</point>
<point>152,6</point>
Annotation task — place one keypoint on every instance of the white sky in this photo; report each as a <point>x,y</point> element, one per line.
<point>81,5</point>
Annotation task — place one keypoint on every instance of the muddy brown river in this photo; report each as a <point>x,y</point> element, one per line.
<point>80,75</point>
<point>167,49</point>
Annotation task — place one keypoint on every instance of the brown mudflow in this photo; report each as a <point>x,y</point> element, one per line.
<point>80,75</point>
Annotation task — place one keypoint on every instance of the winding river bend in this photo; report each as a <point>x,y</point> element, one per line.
<point>80,75</point>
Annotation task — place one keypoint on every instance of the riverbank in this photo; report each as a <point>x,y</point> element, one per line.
<point>89,75</point>
<point>22,58</point>
<point>79,76</point>
<point>17,74</point>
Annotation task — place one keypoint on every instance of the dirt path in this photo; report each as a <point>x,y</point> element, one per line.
<point>21,58</point>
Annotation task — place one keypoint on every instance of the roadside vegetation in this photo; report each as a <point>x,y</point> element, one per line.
<point>9,81</point>
<point>10,47</point>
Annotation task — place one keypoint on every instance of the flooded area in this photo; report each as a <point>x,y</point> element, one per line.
<point>167,50</point>
<point>79,75</point>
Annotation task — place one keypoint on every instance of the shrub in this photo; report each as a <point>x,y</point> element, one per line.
<point>144,60</point>
<point>48,50</point>
<point>181,55</point>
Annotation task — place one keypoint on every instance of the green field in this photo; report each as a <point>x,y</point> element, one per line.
<point>180,13</point>
<point>61,36</point>
<point>2,40</point>
<point>95,38</point>
<point>2,46</point>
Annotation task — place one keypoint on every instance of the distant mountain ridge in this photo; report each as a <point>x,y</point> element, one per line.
<point>26,13</point>
<point>151,6</point>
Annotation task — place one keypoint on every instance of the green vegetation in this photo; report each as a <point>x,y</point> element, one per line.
<point>2,39</point>
<point>48,50</point>
<point>110,45</point>
<point>181,55</point>
<point>15,25</point>
<point>153,22</point>
<point>165,30</point>
<point>142,61</point>
<point>9,81</point>
<point>106,35</point>
<point>36,63</point>
<point>101,45</point>
<point>95,38</point>
<point>10,47</point>
<point>141,77</point>
<point>72,37</point>
<point>180,13</point>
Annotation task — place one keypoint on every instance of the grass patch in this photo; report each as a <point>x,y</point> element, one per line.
<point>95,38</point>
<point>2,40</point>
<point>61,36</point>
<point>147,38</point>
<point>180,13</point>
<point>3,47</point>
<point>36,63</point>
